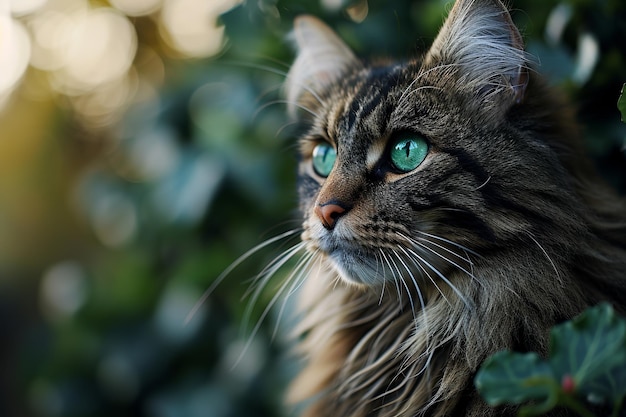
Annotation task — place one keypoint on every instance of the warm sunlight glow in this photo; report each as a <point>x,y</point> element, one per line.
<point>89,52</point>
<point>136,7</point>
<point>14,53</point>
<point>23,7</point>
<point>190,26</point>
<point>98,46</point>
<point>46,29</point>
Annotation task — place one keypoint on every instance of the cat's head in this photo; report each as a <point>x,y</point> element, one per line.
<point>407,168</point>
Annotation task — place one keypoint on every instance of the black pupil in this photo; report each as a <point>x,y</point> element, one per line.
<point>325,153</point>
<point>407,148</point>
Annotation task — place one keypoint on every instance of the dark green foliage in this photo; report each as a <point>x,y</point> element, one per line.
<point>515,378</point>
<point>587,362</point>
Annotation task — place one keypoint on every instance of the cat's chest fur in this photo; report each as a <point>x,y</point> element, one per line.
<point>447,214</point>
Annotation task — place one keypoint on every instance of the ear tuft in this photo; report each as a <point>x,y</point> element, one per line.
<point>321,60</point>
<point>481,40</point>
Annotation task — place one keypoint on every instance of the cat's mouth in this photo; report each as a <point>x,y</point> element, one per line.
<point>373,261</point>
<point>354,263</point>
<point>384,261</point>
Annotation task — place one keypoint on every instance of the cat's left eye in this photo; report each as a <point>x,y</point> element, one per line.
<point>324,156</point>
<point>408,151</point>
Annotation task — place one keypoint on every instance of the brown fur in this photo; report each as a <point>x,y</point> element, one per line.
<point>501,233</point>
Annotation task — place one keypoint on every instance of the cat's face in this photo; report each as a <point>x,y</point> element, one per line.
<point>383,188</point>
<point>405,167</point>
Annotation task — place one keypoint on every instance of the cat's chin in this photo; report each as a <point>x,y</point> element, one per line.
<point>356,269</point>
<point>356,265</point>
<point>350,277</point>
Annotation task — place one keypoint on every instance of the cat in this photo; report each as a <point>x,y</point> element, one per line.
<point>449,212</point>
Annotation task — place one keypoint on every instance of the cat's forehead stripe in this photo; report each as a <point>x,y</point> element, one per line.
<point>332,122</point>
<point>371,94</point>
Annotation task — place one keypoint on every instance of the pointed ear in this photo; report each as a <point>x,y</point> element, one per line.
<point>480,39</point>
<point>321,60</point>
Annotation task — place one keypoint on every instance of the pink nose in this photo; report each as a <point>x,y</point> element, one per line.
<point>329,213</point>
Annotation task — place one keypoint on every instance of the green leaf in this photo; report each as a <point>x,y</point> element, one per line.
<point>610,387</point>
<point>513,378</point>
<point>592,350</point>
<point>587,361</point>
<point>621,104</point>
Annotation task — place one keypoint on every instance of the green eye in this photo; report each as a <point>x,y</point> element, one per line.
<point>408,151</point>
<point>324,156</point>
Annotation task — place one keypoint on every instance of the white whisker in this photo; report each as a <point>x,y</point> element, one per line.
<point>416,243</point>
<point>288,103</point>
<point>234,265</point>
<point>261,280</point>
<point>418,260</point>
<point>257,66</point>
<point>285,75</point>
<point>298,276</point>
<point>395,278</point>
<point>483,184</point>
<point>408,270</point>
<point>285,126</point>
<point>558,275</point>
<point>451,242</point>
<point>407,91</point>
<point>447,281</point>
<point>379,261</point>
<point>278,295</point>
<point>415,284</point>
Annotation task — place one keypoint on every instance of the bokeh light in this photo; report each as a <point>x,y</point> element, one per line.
<point>14,53</point>
<point>136,7</point>
<point>47,44</point>
<point>97,46</point>
<point>24,7</point>
<point>63,290</point>
<point>89,51</point>
<point>190,26</point>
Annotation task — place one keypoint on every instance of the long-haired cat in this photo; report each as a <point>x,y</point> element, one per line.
<point>449,212</point>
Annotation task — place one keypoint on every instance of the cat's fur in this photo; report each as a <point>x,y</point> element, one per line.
<point>501,233</point>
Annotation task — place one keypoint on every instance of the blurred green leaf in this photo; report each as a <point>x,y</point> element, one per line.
<point>514,378</point>
<point>592,350</point>
<point>587,360</point>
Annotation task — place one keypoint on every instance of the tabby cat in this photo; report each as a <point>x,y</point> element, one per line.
<point>449,213</point>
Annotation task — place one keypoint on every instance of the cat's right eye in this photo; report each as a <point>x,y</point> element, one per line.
<point>324,156</point>
<point>408,151</point>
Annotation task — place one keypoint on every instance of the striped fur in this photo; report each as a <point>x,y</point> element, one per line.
<point>502,232</point>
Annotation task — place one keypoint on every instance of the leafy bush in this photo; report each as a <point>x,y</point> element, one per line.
<point>586,362</point>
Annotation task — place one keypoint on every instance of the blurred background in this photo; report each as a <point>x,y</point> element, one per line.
<point>144,147</point>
